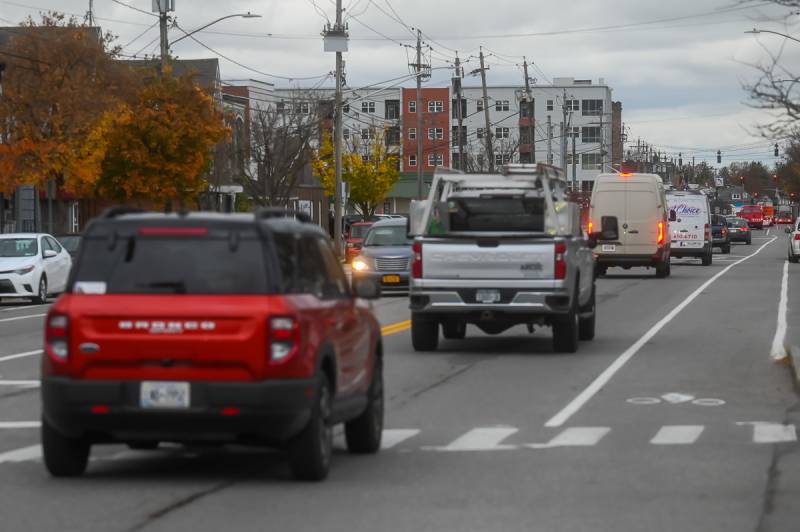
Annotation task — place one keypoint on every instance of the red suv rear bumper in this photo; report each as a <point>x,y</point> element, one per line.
<point>266,412</point>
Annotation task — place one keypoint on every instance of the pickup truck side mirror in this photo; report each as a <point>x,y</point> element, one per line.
<point>673,216</point>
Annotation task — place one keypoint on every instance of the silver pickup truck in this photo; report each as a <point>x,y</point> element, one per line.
<point>497,251</point>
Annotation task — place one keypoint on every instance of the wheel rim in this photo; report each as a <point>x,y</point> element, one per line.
<point>43,290</point>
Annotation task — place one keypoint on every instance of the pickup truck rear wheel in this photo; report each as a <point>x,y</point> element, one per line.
<point>454,329</point>
<point>565,330</point>
<point>63,456</point>
<point>424,333</point>
<point>586,323</point>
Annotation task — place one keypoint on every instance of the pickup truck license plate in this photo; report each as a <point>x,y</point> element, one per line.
<point>487,296</point>
<point>159,394</point>
<point>609,248</point>
<point>391,279</point>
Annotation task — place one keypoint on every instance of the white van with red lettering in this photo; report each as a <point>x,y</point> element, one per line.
<point>690,230</point>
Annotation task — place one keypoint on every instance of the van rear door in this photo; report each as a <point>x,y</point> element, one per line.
<point>610,199</point>
<point>688,230</point>
<point>643,214</point>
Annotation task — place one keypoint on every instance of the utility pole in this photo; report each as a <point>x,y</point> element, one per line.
<point>549,140</point>
<point>420,123</point>
<point>90,14</point>
<point>564,129</point>
<point>488,132</point>
<point>459,115</point>
<point>336,41</point>
<point>531,111</point>
<point>574,167</point>
<point>602,145</point>
<point>163,7</point>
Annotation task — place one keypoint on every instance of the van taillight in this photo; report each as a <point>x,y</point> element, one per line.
<point>560,260</point>
<point>707,232</point>
<point>660,233</point>
<point>56,337</point>
<point>284,338</point>
<point>416,267</point>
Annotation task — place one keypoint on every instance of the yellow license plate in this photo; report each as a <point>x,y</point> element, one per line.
<point>391,279</point>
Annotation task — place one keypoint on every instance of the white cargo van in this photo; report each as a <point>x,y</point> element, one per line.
<point>635,205</point>
<point>690,231</point>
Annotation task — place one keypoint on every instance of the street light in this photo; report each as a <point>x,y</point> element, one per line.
<point>757,31</point>
<point>201,28</point>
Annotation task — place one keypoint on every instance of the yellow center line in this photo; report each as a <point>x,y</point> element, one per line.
<point>396,328</point>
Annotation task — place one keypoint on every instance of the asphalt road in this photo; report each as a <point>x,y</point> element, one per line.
<point>675,418</point>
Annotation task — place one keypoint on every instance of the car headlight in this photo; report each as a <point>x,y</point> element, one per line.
<point>359,265</point>
<point>24,271</point>
<point>351,245</point>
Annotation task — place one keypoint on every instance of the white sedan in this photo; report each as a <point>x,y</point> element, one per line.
<point>32,265</point>
<point>794,242</point>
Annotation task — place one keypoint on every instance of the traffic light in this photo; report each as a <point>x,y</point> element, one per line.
<point>777,150</point>
<point>719,156</point>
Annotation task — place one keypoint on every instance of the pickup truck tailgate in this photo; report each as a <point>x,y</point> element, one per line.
<point>467,259</point>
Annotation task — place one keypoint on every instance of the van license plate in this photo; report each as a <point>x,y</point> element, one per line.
<point>609,248</point>
<point>487,296</point>
<point>164,394</point>
<point>391,279</point>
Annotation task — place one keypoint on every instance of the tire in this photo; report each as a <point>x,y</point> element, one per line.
<point>565,330</point>
<point>707,259</point>
<point>726,249</point>
<point>662,270</point>
<point>600,271</point>
<point>749,240</point>
<point>310,451</point>
<point>363,434</point>
<point>586,325</point>
<point>454,329</point>
<point>63,456</point>
<point>41,294</point>
<point>143,445</point>
<point>424,334</point>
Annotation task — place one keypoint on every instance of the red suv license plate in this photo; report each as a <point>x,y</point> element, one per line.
<point>162,394</point>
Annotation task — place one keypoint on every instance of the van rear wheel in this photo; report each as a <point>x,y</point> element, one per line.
<point>662,269</point>
<point>707,259</point>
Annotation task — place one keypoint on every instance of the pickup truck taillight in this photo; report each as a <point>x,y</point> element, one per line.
<point>416,267</point>
<point>284,338</point>
<point>56,337</point>
<point>797,236</point>
<point>560,260</point>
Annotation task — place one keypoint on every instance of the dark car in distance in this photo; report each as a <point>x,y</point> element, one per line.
<point>720,235</point>
<point>739,230</point>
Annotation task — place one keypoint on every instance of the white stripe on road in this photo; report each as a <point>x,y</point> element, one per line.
<point>33,452</point>
<point>778,351</point>
<point>26,307</point>
<point>20,355</point>
<point>394,437</point>
<point>20,424</point>
<point>24,384</point>
<point>574,437</point>
<point>586,395</point>
<point>17,318</point>
<point>482,439</point>
<point>677,435</point>
<point>772,432</point>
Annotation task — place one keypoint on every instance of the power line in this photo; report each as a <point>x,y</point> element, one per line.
<point>120,2</point>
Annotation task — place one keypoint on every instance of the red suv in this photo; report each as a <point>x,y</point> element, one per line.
<point>754,215</point>
<point>199,328</point>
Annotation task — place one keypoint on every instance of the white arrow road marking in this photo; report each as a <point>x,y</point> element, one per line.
<point>20,355</point>
<point>574,437</point>
<point>20,424</point>
<point>677,435</point>
<point>24,454</point>
<point>394,437</point>
<point>480,439</point>
<point>771,432</point>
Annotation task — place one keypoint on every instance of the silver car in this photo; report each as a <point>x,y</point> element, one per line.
<point>386,255</point>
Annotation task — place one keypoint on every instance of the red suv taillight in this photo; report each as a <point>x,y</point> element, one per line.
<point>560,260</point>
<point>416,268</point>
<point>56,337</point>
<point>284,338</point>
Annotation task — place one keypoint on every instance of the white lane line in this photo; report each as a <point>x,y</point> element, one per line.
<point>20,355</point>
<point>586,395</point>
<point>481,439</point>
<point>574,437</point>
<point>778,351</point>
<point>21,383</point>
<point>17,318</point>
<point>26,307</point>
<point>677,435</point>
<point>768,230</point>
<point>771,432</point>
<point>24,454</point>
<point>8,425</point>
<point>394,437</point>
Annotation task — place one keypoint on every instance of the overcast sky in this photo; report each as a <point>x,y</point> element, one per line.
<point>677,66</point>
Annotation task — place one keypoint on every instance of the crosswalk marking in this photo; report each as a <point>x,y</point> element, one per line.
<point>25,454</point>
<point>574,437</point>
<point>771,432</point>
<point>481,439</point>
<point>394,437</point>
<point>677,435</point>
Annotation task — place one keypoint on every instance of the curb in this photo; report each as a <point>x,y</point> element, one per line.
<point>793,361</point>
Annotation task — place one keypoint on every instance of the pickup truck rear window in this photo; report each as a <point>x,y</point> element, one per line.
<point>212,264</point>
<point>497,214</point>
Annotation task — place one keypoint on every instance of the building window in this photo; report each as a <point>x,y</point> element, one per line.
<point>591,161</point>
<point>393,136</point>
<point>573,106</point>
<point>463,108</point>
<point>367,134</point>
<point>302,108</point>
<point>454,135</point>
<point>368,107</point>
<point>480,132</point>
<point>412,106</point>
<point>365,158</point>
<point>412,160</point>
<point>592,107</point>
<point>435,159</point>
<point>480,104</point>
<point>501,105</point>
<point>501,132</point>
<point>412,133</point>
<point>570,160</point>
<point>392,109</point>
<point>346,133</point>
<point>346,108</point>
<point>549,105</point>
<point>590,135</point>
<point>435,133</point>
<point>435,106</point>
<point>455,160</point>
<point>502,158</point>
